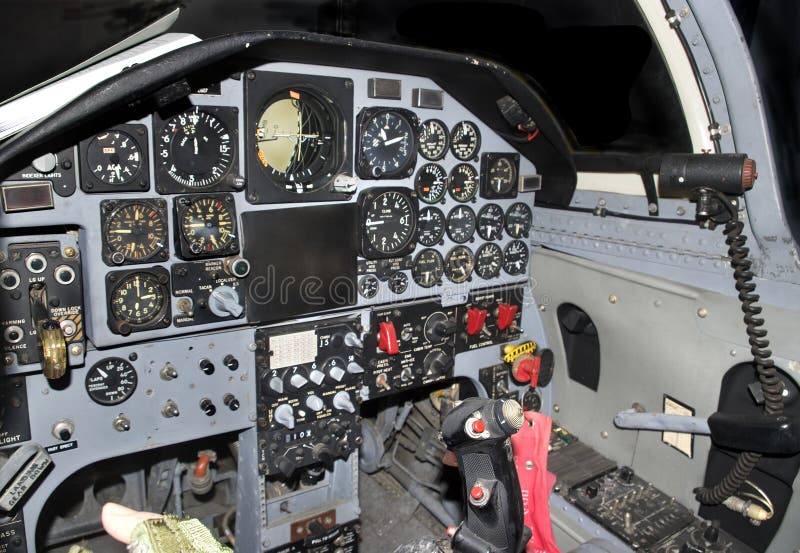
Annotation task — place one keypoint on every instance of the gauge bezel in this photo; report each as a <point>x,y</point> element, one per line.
<point>440,238</point>
<point>483,247</point>
<point>446,184</point>
<point>108,208</point>
<point>231,180</point>
<point>182,205</point>
<point>368,251</point>
<point>162,319</point>
<point>471,197</point>
<point>527,230</point>
<point>140,183</point>
<point>102,362</point>
<point>483,209</point>
<point>505,258</point>
<point>474,154</point>
<point>487,162</point>
<point>371,279</point>
<point>391,282</point>
<point>446,139</point>
<point>468,276</point>
<point>415,263</point>
<point>363,168</point>
<point>471,237</point>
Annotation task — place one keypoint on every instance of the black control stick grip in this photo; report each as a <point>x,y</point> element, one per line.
<point>477,430</point>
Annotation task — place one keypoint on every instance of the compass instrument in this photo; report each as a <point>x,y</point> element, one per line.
<point>387,143</point>
<point>430,226</point>
<point>428,268</point>
<point>518,220</point>
<point>458,264</point>
<point>433,139</point>
<point>461,224</point>
<point>388,222</point>
<point>207,225</point>
<point>134,231</point>
<point>464,181</point>
<point>111,381</point>
<point>489,261</point>
<point>431,183</point>
<point>465,140</point>
<point>516,257</point>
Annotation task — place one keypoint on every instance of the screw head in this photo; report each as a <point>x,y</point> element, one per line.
<point>69,251</point>
<point>556,408</point>
<point>75,349</point>
<point>702,312</point>
<point>613,298</point>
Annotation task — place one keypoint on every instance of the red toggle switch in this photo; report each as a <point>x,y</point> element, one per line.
<point>476,318</point>
<point>526,369</point>
<point>505,315</point>
<point>387,338</point>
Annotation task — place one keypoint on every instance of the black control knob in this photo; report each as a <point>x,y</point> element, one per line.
<point>208,407</point>
<point>625,474</point>
<point>439,327</point>
<point>437,362</point>
<point>591,491</point>
<point>231,362</point>
<point>692,548</point>
<point>711,534</point>
<point>207,366</point>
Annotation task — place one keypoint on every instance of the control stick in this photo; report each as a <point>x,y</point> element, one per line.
<point>477,430</point>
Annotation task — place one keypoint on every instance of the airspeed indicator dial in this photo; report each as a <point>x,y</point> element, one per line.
<point>134,232</point>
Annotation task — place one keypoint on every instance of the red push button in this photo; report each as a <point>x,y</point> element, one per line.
<point>478,426</point>
<point>476,318</point>
<point>505,315</point>
<point>476,493</point>
<point>387,338</point>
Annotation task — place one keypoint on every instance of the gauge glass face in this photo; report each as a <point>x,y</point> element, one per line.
<point>389,223</point>
<point>139,299</point>
<point>490,222</point>
<point>458,264</point>
<point>114,157</point>
<point>295,138</point>
<point>387,144</point>
<point>207,224</point>
<point>518,220</point>
<point>431,183</point>
<point>463,182</point>
<point>398,282</point>
<point>368,286</point>
<point>489,261</point>
<point>196,149</point>
<point>465,140</point>
<point>428,268</point>
<point>502,175</point>
<point>430,227</point>
<point>111,381</point>
<point>135,232</point>
<point>433,139</point>
<point>460,224</point>
<point>515,258</point>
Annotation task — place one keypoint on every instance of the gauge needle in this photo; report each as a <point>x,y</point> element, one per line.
<point>373,223</point>
<point>196,225</point>
<point>195,146</point>
<point>147,297</point>
<point>121,231</point>
<point>102,373</point>
<point>392,141</point>
<point>382,134</point>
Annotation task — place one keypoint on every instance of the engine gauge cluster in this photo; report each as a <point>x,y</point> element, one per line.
<point>465,141</point>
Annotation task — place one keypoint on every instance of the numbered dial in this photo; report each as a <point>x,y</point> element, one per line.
<point>458,264</point>
<point>428,268</point>
<point>207,225</point>
<point>465,141</point>
<point>139,299</point>
<point>368,286</point>
<point>516,257</point>
<point>295,136</point>
<point>111,381</point>
<point>398,282</point>
<point>431,183</point>
<point>502,175</point>
<point>196,149</point>
<point>387,144</point>
<point>461,224</point>
<point>135,232</point>
<point>464,181</point>
<point>489,261</point>
<point>490,222</point>
<point>431,226</point>
<point>390,222</point>
<point>518,220</point>
<point>114,157</point>
<point>433,139</point>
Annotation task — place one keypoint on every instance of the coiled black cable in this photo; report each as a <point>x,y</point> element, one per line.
<point>771,385</point>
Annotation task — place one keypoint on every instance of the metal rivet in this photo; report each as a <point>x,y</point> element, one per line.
<point>528,465</point>
<point>604,434</point>
<point>75,349</point>
<point>652,208</point>
<point>702,312</point>
<point>613,298</point>
<point>680,211</point>
<point>251,346</point>
<point>732,353</point>
<point>556,408</point>
<point>658,303</point>
<point>69,251</point>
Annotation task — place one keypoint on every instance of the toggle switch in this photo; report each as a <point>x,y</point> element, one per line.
<point>387,338</point>
<point>505,315</point>
<point>476,318</point>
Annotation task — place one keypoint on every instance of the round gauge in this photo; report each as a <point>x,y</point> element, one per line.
<point>196,149</point>
<point>387,144</point>
<point>368,286</point>
<point>463,182</point>
<point>458,264</point>
<point>430,227</point>
<point>207,224</point>
<point>138,299</point>
<point>428,268</point>
<point>518,220</point>
<point>114,157</point>
<point>460,224</point>
<point>515,258</point>
<point>390,222</point>
<point>398,282</point>
<point>489,261</point>
<point>502,175</point>
<point>433,139</point>
<point>465,140</point>
<point>431,183</point>
<point>490,222</point>
<point>111,381</point>
<point>295,139</point>
<point>135,232</point>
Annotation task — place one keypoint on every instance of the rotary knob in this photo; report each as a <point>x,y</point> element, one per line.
<point>317,376</point>
<point>437,362</point>
<point>343,402</point>
<point>224,302</point>
<point>297,381</point>
<point>284,414</point>
<point>314,403</point>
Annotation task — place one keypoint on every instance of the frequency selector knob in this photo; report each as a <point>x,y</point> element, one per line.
<point>336,373</point>
<point>297,381</point>
<point>314,403</point>
<point>354,368</point>
<point>343,402</point>
<point>352,340</point>
<point>276,385</point>
<point>284,414</point>
<point>224,302</point>
<point>317,376</point>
